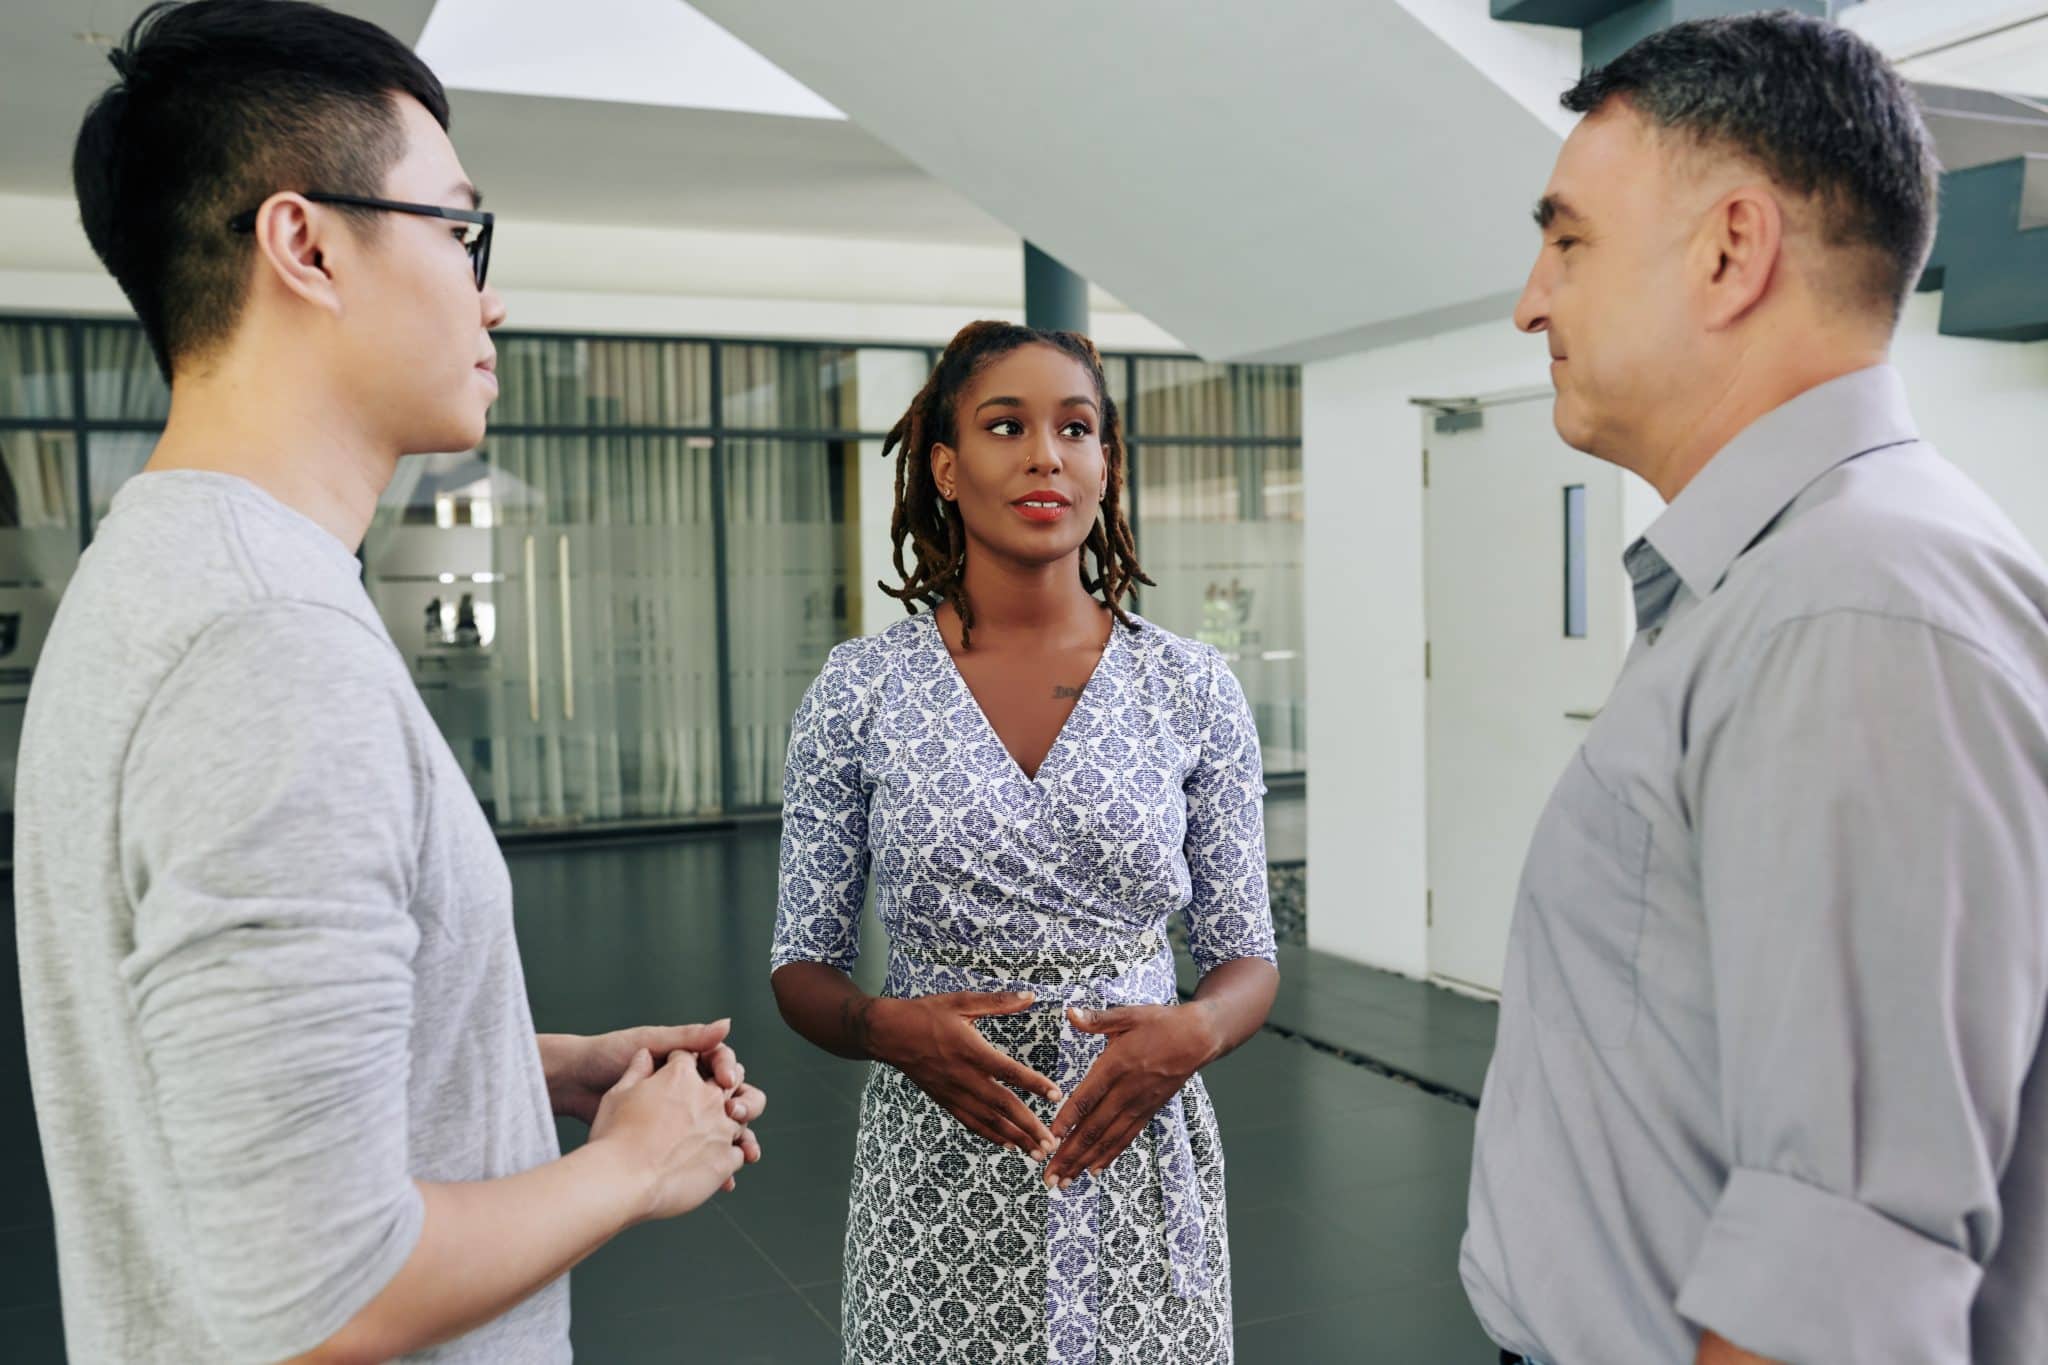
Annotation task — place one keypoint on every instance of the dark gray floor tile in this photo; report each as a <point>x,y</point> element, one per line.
<point>696,1261</point>
<point>1273,1079</point>
<point>1428,1326</point>
<point>793,1205</point>
<point>824,1300</point>
<point>1286,1260</point>
<point>804,1095</point>
<point>1452,1063</point>
<point>1319,1161</point>
<point>28,1268</point>
<point>774,1329</point>
<point>1420,1221</point>
<point>1341,1181</point>
<point>33,1336</point>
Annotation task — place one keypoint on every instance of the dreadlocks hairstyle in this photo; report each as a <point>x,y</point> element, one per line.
<point>932,526</point>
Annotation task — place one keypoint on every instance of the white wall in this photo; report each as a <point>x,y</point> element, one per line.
<point>1362,466</point>
<point>1985,404</point>
<point>601,278</point>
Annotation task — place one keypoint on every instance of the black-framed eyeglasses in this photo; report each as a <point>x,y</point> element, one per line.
<point>477,223</point>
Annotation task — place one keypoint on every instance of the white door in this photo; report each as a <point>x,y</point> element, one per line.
<point>1528,618</point>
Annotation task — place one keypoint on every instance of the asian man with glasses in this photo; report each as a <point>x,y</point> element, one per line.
<point>292,1102</point>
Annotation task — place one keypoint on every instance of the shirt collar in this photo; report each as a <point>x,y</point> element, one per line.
<point>1756,476</point>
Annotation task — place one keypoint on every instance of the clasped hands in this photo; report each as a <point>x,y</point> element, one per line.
<point>1151,1053</point>
<point>582,1069</point>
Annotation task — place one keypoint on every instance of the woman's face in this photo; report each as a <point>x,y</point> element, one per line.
<point>1026,474</point>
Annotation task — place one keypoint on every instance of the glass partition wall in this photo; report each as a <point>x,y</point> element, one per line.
<point>614,603</point>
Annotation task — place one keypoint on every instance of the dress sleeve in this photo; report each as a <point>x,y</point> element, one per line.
<point>1228,916</point>
<point>825,794</point>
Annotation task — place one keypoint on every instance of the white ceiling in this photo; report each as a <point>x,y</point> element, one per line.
<point>1285,179</point>
<point>1288,181</point>
<point>551,160</point>
<point>1999,45</point>
<point>661,52</point>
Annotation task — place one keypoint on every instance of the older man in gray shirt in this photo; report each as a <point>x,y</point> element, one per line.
<point>1769,1079</point>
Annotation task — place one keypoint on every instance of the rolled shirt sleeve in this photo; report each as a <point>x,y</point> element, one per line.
<point>271,822</point>
<point>1872,822</point>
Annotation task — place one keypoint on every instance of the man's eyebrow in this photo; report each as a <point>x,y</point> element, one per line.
<point>1552,207</point>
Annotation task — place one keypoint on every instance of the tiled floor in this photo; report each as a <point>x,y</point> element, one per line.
<point>1346,1188</point>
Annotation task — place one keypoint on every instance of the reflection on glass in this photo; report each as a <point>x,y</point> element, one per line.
<point>35,370</point>
<point>579,382</point>
<point>113,458</point>
<point>786,581</point>
<point>790,388</point>
<point>1116,374</point>
<point>555,594</point>
<point>1195,398</point>
<point>1221,532</point>
<point>122,382</point>
<point>38,554</point>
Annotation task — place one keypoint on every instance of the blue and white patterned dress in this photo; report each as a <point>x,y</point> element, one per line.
<point>1148,803</point>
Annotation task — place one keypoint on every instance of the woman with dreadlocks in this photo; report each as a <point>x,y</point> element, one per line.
<point>1037,779</point>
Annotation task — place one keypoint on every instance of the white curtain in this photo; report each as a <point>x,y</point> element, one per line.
<point>786,587</point>
<point>122,383</point>
<point>35,370</point>
<point>1221,530</point>
<point>41,491</point>
<point>38,513</point>
<point>606,621</point>
<point>582,687</point>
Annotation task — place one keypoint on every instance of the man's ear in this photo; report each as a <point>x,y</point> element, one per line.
<point>295,245</point>
<point>1738,253</point>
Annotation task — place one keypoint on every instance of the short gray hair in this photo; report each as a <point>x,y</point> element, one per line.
<point>1817,107</point>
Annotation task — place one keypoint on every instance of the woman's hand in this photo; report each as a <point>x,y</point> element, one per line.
<point>932,1040</point>
<point>1152,1051</point>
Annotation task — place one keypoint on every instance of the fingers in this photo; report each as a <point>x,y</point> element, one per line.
<point>1086,1098</point>
<point>662,1039</point>
<point>982,1004</point>
<point>983,1115</point>
<point>1089,1141</point>
<point>749,1145</point>
<point>1099,1021</point>
<point>1014,1073</point>
<point>1097,1151</point>
<point>721,1065</point>
<point>1036,1139</point>
<point>637,1070</point>
<point>747,1104</point>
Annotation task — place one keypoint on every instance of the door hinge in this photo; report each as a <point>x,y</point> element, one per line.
<point>1425,467</point>
<point>1429,909</point>
<point>1426,661</point>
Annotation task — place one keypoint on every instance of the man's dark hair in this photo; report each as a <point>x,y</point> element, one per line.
<point>221,104</point>
<point>1814,105</point>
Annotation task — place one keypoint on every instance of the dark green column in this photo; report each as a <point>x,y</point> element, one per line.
<point>1055,298</point>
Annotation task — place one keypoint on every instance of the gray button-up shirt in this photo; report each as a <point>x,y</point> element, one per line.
<point>1770,1039</point>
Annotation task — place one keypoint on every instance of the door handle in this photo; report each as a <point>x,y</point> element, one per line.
<point>568,625</point>
<point>532,636</point>
<point>1593,714</point>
